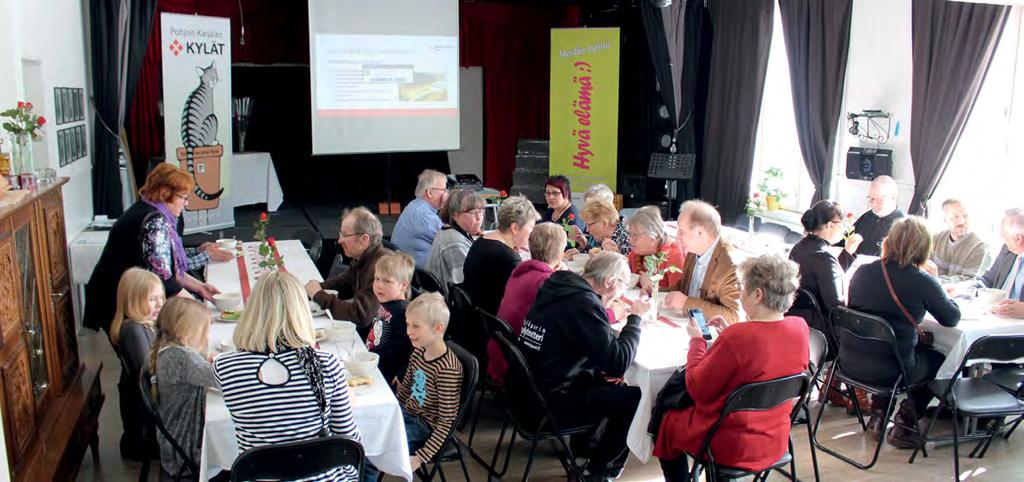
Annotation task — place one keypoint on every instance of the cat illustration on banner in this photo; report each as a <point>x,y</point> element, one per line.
<point>199,130</point>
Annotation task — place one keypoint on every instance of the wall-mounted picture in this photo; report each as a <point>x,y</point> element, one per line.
<point>79,142</point>
<point>62,148</point>
<point>58,107</point>
<point>79,115</point>
<point>66,99</point>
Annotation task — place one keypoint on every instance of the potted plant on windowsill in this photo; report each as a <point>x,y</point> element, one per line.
<point>771,186</point>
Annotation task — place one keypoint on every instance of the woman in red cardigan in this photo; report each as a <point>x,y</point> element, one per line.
<point>767,346</point>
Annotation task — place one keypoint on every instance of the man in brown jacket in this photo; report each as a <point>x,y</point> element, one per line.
<point>360,238</point>
<point>709,279</point>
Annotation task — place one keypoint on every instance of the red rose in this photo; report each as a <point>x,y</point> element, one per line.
<point>572,216</point>
<point>502,194</point>
<point>271,241</point>
<point>21,105</point>
<point>757,195</point>
<point>849,215</point>
<point>41,120</point>
<point>263,217</point>
<point>28,105</point>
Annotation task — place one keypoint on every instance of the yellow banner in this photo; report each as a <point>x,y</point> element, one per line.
<point>585,105</point>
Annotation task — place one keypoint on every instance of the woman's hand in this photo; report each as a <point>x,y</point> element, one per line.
<point>853,243</point>
<point>218,255</point>
<point>646,285</point>
<point>619,309</point>
<point>207,290</point>
<point>609,245</point>
<point>578,236</point>
<point>931,268</point>
<point>693,329</point>
<point>569,253</point>
<point>718,322</point>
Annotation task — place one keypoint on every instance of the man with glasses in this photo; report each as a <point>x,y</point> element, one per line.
<point>874,225</point>
<point>360,238</point>
<point>416,227</point>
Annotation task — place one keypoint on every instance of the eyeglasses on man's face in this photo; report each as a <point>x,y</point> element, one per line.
<point>343,235</point>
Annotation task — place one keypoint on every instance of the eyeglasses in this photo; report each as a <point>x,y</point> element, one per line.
<point>552,193</point>
<point>474,212</point>
<point>182,197</point>
<point>442,189</point>
<point>343,235</point>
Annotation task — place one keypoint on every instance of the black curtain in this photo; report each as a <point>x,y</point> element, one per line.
<point>953,45</point>
<point>742,33</point>
<point>120,32</point>
<point>817,34</point>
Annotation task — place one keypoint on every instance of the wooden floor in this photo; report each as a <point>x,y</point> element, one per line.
<point>1004,461</point>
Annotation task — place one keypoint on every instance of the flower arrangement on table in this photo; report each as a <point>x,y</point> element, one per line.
<point>270,259</point>
<point>851,229</point>
<point>24,127</point>
<point>656,266</point>
<point>755,203</point>
<point>502,196</point>
<point>567,225</point>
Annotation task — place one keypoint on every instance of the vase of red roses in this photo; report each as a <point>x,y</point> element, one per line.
<point>23,126</point>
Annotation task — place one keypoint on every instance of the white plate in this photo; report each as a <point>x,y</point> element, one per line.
<point>222,320</point>
<point>315,309</point>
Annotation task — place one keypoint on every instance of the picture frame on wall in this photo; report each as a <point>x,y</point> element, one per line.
<point>78,105</point>
<point>80,137</point>
<point>58,107</point>
<point>66,99</point>
<point>62,148</point>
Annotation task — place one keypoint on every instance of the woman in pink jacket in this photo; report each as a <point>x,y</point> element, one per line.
<point>546,245</point>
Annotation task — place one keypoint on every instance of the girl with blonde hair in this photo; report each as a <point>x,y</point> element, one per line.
<point>140,295</point>
<point>277,387</point>
<point>182,376</point>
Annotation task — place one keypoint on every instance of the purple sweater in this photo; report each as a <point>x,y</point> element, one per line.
<point>520,292</point>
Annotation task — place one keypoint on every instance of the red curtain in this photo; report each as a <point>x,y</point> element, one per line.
<point>512,43</point>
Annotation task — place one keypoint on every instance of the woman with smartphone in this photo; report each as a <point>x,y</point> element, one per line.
<point>747,440</point>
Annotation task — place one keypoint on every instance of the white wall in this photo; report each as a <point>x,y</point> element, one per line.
<point>878,76</point>
<point>50,35</point>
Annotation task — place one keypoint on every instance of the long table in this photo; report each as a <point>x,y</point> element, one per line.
<point>975,322</point>
<point>375,408</point>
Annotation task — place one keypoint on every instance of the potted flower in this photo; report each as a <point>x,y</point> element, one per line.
<point>755,203</point>
<point>24,127</point>
<point>656,266</point>
<point>771,186</point>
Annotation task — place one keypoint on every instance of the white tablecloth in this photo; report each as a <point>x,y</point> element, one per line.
<point>975,322</point>
<point>376,410</point>
<point>662,349</point>
<point>85,253</point>
<point>254,180</point>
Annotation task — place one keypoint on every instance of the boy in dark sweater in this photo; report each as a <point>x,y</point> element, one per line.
<point>387,336</point>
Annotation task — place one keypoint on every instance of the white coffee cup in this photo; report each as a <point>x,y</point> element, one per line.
<point>362,364</point>
<point>226,244</point>
<point>341,331</point>
<point>991,296</point>
<point>227,301</point>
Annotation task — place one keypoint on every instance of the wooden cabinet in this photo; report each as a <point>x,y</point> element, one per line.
<point>49,400</point>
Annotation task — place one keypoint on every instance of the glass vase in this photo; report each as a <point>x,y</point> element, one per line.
<point>21,154</point>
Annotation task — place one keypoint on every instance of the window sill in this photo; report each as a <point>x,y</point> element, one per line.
<point>789,219</point>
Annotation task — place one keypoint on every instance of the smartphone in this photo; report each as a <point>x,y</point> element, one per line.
<point>698,315</point>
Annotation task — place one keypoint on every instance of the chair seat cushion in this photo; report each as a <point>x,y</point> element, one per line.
<point>978,396</point>
<point>735,473</point>
<point>1007,378</point>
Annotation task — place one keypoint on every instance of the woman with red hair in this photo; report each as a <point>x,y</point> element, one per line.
<point>146,236</point>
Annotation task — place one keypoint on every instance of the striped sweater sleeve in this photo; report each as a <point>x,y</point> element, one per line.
<point>446,375</point>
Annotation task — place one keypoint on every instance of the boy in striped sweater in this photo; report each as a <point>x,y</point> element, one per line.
<point>429,392</point>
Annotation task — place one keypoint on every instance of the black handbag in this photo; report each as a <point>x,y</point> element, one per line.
<point>672,396</point>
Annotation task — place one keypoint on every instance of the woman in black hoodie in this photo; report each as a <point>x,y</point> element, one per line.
<point>572,351</point>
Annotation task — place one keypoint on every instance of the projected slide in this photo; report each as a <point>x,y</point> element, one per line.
<point>386,75</point>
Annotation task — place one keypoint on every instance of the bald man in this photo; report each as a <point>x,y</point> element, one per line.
<point>874,225</point>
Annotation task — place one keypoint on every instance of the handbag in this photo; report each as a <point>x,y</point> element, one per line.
<point>924,338</point>
<point>672,396</point>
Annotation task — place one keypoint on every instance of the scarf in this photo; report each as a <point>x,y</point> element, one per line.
<point>180,259</point>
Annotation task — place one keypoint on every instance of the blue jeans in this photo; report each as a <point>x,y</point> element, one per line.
<point>416,432</point>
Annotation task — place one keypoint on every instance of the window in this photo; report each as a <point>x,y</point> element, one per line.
<point>777,144</point>
<point>988,161</point>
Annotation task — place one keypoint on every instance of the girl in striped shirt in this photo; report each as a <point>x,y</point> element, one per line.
<point>276,386</point>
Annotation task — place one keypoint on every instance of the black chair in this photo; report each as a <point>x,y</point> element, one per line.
<point>297,460</point>
<point>452,447</point>
<point>493,325</point>
<point>1008,378</point>
<point>189,465</point>
<point>977,397</point>
<point>805,305</point>
<point>148,430</point>
<point>868,359</point>
<point>757,396</point>
<point>465,326</point>
<point>531,418</point>
<point>818,347</point>
<point>426,282</point>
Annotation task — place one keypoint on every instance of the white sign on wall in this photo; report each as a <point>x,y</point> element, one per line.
<point>197,112</point>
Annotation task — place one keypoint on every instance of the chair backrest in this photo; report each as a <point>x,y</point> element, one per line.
<point>761,396</point>
<point>995,349</point>
<point>805,305</point>
<point>153,411</point>
<point>867,347</point>
<point>495,325</point>
<point>818,345</point>
<point>465,326</point>
<point>297,460</point>
<point>425,281</point>
<point>530,403</point>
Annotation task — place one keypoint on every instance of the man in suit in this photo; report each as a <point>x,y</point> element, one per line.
<point>709,280</point>
<point>1007,273</point>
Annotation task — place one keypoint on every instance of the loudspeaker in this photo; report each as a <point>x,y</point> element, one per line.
<point>634,191</point>
<point>866,163</point>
